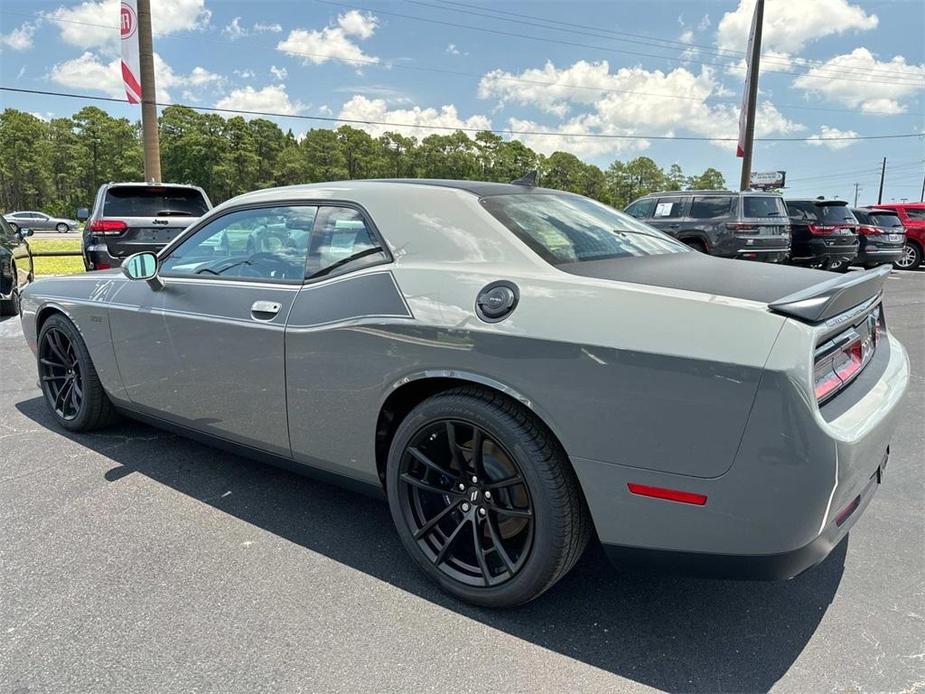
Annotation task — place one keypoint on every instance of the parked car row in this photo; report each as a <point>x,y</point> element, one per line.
<point>816,233</point>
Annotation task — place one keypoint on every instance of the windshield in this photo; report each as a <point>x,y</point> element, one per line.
<point>161,201</point>
<point>763,206</point>
<point>563,228</point>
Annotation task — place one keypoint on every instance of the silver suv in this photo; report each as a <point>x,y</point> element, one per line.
<point>132,217</point>
<point>751,225</point>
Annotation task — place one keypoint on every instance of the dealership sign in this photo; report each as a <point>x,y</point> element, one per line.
<point>765,180</point>
<point>128,27</point>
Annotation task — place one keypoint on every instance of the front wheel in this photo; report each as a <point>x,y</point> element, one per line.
<point>71,387</point>
<point>911,257</point>
<point>484,499</point>
<point>62,228</point>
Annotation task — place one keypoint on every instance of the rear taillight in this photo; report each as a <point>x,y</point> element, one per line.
<point>869,230</point>
<point>821,229</point>
<point>741,228</point>
<point>108,227</point>
<point>842,358</point>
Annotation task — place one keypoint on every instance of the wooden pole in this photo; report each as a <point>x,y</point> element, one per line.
<point>149,136</point>
<point>753,61</point>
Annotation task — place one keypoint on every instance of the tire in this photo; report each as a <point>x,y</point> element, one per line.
<point>696,244</point>
<point>520,448</point>
<point>62,228</point>
<point>911,258</point>
<point>839,266</point>
<point>94,409</point>
<point>10,307</point>
<point>14,227</point>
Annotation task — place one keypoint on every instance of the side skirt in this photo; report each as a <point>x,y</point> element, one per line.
<point>256,454</point>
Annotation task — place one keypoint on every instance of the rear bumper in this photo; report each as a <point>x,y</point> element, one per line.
<point>800,480</point>
<point>871,254</point>
<point>767,255</point>
<point>98,257</point>
<point>823,249</point>
<point>749,567</point>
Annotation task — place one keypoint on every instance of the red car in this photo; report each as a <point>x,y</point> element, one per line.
<point>912,215</point>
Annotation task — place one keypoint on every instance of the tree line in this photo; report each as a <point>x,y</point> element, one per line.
<point>57,165</point>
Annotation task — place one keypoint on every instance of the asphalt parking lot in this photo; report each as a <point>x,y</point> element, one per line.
<point>136,561</point>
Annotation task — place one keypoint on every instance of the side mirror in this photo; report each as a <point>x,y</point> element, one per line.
<point>83,214</point>
<point>142,266</point>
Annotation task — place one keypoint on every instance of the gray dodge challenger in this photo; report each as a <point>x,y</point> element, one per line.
<point>516,369</point>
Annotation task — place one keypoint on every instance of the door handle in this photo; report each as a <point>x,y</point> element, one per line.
<point>264,310</point>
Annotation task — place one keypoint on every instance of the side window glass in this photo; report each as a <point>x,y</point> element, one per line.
<point>712,207</point>
<point>269,243</point>
<point>668,208</point>
<point>341,242</point>
<point>641,209</point>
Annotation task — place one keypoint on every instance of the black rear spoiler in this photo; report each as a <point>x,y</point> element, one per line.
<point>833,297</point>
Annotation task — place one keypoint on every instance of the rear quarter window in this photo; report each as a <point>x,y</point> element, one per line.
<point>641,209</point>
<point>917,215</point>
<point>711,207</point>
<point>763,206</point>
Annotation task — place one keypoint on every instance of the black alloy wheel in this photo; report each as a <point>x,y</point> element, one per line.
<point>70,384</point>
<point>59,371</point>
<point>484,498</point>
<point>466,502</point>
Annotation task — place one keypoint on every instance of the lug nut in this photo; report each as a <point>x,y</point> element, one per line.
<point>487,495</point>
<point>462,487</point>
<point>475,480</point>
<point>465,506</point>
<point>482,512</point>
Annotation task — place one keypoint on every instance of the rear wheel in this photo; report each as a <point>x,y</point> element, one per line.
<point>839,265</point>
<point>71,387</point>
<point>911,257</point>
<point>484,498</point>
<point>62,228</point>
<point>696,244</point>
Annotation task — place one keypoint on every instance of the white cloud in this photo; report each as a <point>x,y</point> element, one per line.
<point>279,72</point>
<point>363,109</point>
<point>272,99</point>
<point>234,30</point>
<point>333,42</point>
<point>789,26</point>
<point>625,102</point>
<point>88,71</point>
<point>775,61</point>
<point>452,49</point>
<point>244,74</point>
<point>19,39</point>
<point>93,23</point>
<point>687,36</point>
<point>891,82</point>
<point>704,23</point>
<point>824,138</point>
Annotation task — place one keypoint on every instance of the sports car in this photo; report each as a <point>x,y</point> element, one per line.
<point>516,369</point>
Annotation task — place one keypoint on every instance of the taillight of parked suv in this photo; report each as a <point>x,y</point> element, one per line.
<point>108,227</point>
<point>838,361</point>
<point>829,229</point>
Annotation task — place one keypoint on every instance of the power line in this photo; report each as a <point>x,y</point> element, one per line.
<point>543,39</point>
<point>555,25</point>
<point>459,73</point>
<point>498,131</point>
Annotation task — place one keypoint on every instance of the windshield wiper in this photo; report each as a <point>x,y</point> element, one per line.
<point>175,213</point>
<point>344,261</point>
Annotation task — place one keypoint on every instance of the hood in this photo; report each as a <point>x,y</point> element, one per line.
<point>696,272</point>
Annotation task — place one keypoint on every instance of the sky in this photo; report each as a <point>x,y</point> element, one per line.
<point>554,71</point>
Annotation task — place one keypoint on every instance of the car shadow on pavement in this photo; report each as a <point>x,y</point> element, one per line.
<point>669,632</point>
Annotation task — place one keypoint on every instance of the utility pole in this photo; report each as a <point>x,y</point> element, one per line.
<point>922,197</point>
<point>856,188</point>
<point>752,97</point>
<point>882,174</point>
<point>152,148</point>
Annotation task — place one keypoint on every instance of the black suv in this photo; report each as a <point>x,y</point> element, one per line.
<point>881,236</point>
<point>133,217</point>
<point>825,234</point>
<point>748,225</point>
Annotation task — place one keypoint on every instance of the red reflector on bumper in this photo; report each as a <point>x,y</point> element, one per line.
<point>846,512</point>
<point>669,494</point>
